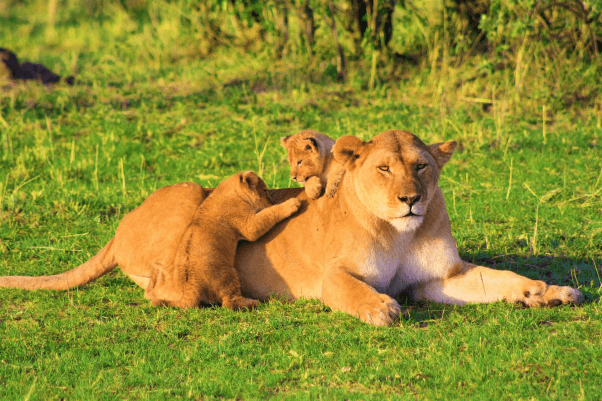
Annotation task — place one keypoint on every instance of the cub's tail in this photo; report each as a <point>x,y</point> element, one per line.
<point>103,262</point>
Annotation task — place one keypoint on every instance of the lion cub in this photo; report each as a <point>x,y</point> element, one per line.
<point>240,208</point>
<point>312,162</point>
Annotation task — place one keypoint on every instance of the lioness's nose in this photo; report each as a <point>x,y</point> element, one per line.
<point>410,200</point>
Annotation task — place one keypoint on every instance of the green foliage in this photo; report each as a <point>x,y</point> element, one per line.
<point>571,25</point>
<point>532,54</point>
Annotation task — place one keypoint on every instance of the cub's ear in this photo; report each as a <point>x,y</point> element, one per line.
<point>347,150</point>
<point>284,140</point>
<point>250,179</point>
<point>442,152</point>
<point>312,144</point>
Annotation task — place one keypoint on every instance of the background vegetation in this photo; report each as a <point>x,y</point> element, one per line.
<point>171,91</point>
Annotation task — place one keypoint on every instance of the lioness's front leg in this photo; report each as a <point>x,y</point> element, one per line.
<point>475,284</point>
<point>346,293</point>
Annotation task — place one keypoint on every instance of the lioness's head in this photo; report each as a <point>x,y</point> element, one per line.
<point>248,187</point>
<point>308,154</point>
<point>395,174</point>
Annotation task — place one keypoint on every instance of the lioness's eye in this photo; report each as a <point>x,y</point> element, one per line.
<point>299,162</point>
<point>420,166</point>
<point>383,168</point>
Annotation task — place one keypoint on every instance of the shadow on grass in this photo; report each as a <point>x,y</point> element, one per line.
<point>564,271</point>
<point>553,270</point>
<point>121,95</point>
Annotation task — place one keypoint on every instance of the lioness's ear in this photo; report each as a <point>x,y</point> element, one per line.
<point>347,150</point>
<point>442,152</point>
<point>284,140</point>
<point>249,178</point>
<point>312,144</point>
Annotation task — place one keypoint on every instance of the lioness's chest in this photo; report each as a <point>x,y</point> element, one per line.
<point>379,263</point>
<point>406,262</point>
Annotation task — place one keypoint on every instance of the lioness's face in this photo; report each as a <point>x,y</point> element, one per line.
<point>395,174</point>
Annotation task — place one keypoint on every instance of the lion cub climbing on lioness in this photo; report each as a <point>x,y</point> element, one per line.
<point>312,162</point>
<point>240,208</point>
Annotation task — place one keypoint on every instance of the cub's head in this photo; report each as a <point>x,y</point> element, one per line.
<point>395,174</point>
<point>308,154</point>
<point>248,187</point>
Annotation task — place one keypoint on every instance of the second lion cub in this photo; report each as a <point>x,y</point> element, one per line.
<point>240,208</point>
<point>312,162</point>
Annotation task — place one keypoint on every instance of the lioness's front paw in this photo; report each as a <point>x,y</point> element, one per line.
<point>557,295</point>
<point>381,311</point>
<point>313,189</point>
<point>537,293</point>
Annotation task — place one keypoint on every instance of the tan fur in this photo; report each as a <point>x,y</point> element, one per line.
<point>312,162</point>
<point>354,251</point>
<point>202,271</point>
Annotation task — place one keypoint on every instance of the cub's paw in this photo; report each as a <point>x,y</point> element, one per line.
<point>240,303</point>
<point>382,310</point>
<point>313,189</point>
<point>290,206</point>
<point>178,304</point>
<point>537,293</point>
<point>331,190</point>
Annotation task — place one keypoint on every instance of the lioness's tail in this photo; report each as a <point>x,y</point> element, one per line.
<point>101,263</point>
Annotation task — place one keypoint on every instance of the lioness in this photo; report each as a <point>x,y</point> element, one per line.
<point>203,269</point>
<point>312,162</point>
<point>385,230</point>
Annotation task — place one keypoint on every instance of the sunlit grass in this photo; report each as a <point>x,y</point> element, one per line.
<point>523,193</point>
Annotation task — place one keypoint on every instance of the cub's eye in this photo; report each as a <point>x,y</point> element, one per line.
<point>383,168</point>
<point>299,162</point>
<point>420,167</point>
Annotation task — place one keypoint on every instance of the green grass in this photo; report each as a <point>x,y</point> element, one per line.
<point>522,194</point>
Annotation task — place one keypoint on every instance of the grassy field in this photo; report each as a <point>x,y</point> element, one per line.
<point>524,192</point>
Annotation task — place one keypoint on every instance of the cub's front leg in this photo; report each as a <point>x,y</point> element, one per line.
<point>334,179</point>
<point>263,221</point>
<point>342,291</point>
<point>313,187</point>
